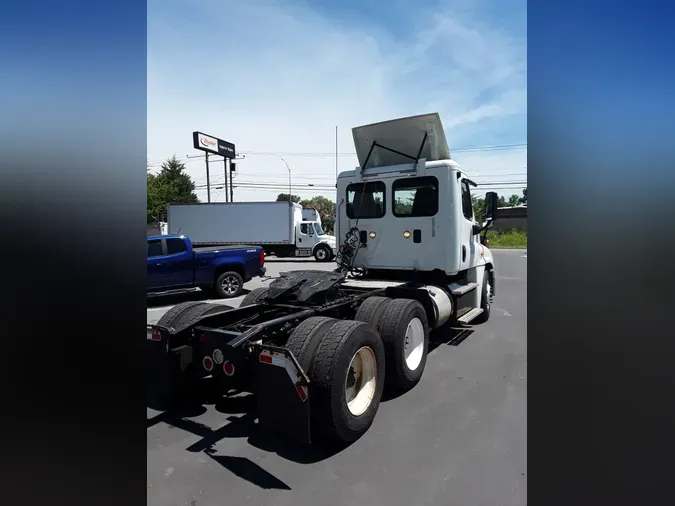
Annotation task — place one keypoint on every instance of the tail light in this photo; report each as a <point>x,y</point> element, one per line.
<point>228,369</point>
<point>208,364</point>
<point>262,257</point>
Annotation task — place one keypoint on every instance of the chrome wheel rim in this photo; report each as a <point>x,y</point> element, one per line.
<point>414,344</point>
<point>230,285</point>
<point>361,381</point>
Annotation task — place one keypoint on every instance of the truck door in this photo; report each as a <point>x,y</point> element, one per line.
<point>179,263</point>
<point>468,240</point>
<point>156,266</point>
<point>305,240</point>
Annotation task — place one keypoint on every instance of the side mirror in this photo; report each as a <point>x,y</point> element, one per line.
<point>491,205</point>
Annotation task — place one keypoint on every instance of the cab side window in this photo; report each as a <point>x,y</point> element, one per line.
<point>174,246</point>
<point>155,248</point>
<point>467,206</point>
<point>304,229</point>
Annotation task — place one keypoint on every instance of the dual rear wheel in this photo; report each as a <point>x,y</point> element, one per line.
<point>345,361</point>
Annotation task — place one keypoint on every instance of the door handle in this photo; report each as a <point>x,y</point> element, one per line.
<point>160,263</point>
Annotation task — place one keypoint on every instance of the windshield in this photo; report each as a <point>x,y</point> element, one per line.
<point>319,230</point>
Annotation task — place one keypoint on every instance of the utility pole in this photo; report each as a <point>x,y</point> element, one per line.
<point>208,181</point>
<point>290,190</point>
<point>336,153</point>
<point>225,168</point>
<point>231,181</point>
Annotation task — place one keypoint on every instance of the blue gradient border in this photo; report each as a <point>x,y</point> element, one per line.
<point>601,175</point>
<point>73,150</point>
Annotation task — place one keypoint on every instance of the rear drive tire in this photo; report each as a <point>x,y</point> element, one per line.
<point>371,311</point>
<point>173,315</point>
<point>347,381</point>
<point>229,284</point>
<point>254,297</point>
<point>405,334</point>
<point>305,339</point>
<point>192,315</point>
<point>484,300</point>
<point>323,253</point>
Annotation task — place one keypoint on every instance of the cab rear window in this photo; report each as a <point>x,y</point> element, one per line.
<point>415,197</point>
<point>366,200</point>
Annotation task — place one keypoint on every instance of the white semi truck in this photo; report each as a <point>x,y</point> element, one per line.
<point>318,348</point>
<point>278,227</point>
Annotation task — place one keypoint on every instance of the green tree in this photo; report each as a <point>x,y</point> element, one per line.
<point>523,199</point>
<point>171,185</point>
<point>514,200</point>
<point>283,197</point>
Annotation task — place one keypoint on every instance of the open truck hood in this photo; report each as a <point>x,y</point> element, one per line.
<point>404,135</point>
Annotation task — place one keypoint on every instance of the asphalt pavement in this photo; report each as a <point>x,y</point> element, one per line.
<point>458,438</point>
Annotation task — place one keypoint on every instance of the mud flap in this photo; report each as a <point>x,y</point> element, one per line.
<point>164,367</point>
<point>283,395</point>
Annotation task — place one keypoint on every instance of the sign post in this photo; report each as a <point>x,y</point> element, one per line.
<point>213,145</point>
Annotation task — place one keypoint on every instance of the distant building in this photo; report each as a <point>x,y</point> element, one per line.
<point>512,217</point>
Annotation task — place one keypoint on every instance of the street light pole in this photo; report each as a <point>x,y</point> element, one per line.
<point>290,191</point>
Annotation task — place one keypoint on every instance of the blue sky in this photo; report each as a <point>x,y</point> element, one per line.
<point>277,76</point>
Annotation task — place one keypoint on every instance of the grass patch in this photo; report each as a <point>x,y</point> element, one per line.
<point>507,238</point>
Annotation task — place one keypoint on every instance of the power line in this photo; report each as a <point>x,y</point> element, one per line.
<point>319,154</point>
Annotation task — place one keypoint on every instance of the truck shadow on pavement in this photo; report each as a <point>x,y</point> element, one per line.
<point>445,336</point>
<point>242,415</point>
<point>242,424</point>
<point>173,298</point>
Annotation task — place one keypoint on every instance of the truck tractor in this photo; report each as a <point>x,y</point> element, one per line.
<point>319,348</point>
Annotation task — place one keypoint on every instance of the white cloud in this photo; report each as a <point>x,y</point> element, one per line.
<point>278,77</point>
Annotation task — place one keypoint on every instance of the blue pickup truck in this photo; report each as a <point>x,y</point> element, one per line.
<point>173,264</point>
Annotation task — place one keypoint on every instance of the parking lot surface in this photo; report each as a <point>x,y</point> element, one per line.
<point>458,438</point>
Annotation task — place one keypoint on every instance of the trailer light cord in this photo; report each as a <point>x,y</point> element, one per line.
<point>347,253</point>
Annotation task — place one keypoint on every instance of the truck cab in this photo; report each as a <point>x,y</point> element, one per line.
<point>310,237</point>
<point>411,204</point>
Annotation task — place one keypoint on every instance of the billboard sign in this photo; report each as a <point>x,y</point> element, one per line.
<point>213,145</point>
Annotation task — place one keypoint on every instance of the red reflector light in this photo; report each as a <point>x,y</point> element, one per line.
<point>228,368</point>
<point>156,336</point>
<point>302,391</point>
<point>265,359</point>
<point>208,364</point>
<point>202,338</point>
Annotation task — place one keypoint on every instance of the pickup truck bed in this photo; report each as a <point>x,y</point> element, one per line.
<point>204,249</point>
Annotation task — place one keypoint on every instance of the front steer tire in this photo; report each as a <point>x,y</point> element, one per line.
<point>331,418</point>
<point>323,253</point>
<point>484,301</point>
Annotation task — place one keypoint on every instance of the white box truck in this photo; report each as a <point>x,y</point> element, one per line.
<point>278,227</point>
